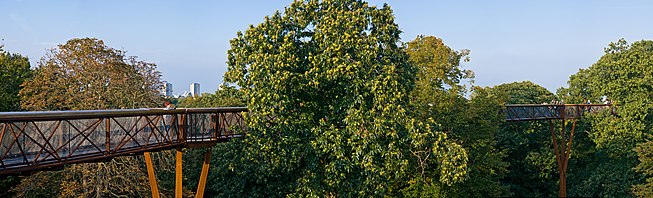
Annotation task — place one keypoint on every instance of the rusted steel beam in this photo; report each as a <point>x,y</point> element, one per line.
<point>204,174</point>
<point>178,174</point>
<point>150,175</point>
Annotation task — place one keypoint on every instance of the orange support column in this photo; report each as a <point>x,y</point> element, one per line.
<point>151,175</point>
<point>178,174</point>
<point>204,174</point>
<point>562,150</point>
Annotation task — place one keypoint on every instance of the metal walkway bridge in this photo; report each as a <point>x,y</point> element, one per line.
<point>32,141</point>
<point>561,141</point>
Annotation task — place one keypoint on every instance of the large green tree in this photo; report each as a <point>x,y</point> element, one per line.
<point>327,86</point>
<point>86,74</point>
<point>439,94</point>
<point>624,74</point>
<point>14,69</point>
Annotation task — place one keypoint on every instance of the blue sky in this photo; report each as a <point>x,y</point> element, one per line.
<point>540,41</point>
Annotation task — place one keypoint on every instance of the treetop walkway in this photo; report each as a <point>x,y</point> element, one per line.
<point>38,140</point>
<point>32,141</point>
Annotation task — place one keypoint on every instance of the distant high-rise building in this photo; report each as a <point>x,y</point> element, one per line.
<point>167,90</point>
<point>195,89</point>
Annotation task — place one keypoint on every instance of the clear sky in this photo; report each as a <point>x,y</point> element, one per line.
<point>541,41</point>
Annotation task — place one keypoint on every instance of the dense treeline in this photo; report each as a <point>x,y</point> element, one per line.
<point>356,113</point>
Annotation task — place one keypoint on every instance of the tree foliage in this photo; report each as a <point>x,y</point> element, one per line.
<point>533,172</point>
<point>14,69</point>
<point>624,75</point>
<point>86,74</point>
<point>645,166</point>
<point>327,86</point>
<point>439,95</point>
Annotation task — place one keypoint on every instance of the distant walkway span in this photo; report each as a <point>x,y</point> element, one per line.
<point>530,112</point>
<point>562,141</point>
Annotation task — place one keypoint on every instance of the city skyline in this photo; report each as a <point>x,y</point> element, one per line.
<point>194,90</point>
<point>544,42</point>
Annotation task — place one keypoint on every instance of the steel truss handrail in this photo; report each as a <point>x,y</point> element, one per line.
<point>529,112</point>
<point>44,139</point>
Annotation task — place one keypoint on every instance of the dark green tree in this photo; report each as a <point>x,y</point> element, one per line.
<point>14,69</point>
<point>529,150</point>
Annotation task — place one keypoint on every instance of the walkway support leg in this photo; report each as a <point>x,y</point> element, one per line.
<point>204,174</point>
<point>151,175</point>
<point>562,150</point>
<point>178,174</point>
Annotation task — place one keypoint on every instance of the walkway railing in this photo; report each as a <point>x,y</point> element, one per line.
<point>39,140</point>
<point>528,112</point>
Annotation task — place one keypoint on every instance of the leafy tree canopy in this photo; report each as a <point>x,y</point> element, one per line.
<point>439,95</point>
<point>86,74</point>
<point>525,92</point>
<point>327,87</point>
